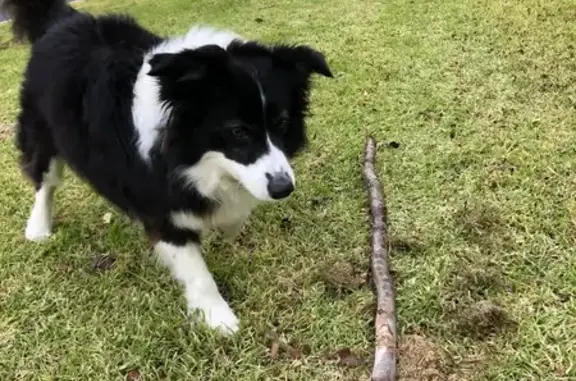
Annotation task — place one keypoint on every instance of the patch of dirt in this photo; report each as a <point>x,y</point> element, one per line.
<point>340,278</point>
<point>484,319</point>
<point>478,223</point>
<point>466,285</point>
<point>420,359</point>
<point>5,131</point>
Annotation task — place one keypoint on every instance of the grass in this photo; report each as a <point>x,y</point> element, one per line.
<point>480,96</point>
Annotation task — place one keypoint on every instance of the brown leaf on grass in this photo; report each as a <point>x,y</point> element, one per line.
<point>102,262</point>
<point>5,131</point>
<point>295,353</point>
<point>274,347</point>
<point>348,358</point>
<point>281,349</point>
<point>133,375</point>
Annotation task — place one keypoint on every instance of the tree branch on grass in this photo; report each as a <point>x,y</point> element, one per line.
<point>385,356</point>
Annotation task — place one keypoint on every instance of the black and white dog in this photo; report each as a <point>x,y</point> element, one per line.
<point>183,134</point>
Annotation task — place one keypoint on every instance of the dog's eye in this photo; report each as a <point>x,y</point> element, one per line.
<point>282,123</point>
<point>239,133</point>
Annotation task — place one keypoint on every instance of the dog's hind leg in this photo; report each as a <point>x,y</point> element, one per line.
<point>41,164</point>
<point>39,225</point>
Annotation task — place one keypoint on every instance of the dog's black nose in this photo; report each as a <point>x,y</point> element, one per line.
<point>280,185</point>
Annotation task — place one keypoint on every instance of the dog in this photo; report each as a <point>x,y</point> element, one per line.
<point>182,134</point>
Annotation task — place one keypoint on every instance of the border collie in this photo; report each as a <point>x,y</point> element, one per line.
<point>182,134</point>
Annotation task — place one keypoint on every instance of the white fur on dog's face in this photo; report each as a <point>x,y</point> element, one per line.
<point>254,177</point>
<point>210,173</point>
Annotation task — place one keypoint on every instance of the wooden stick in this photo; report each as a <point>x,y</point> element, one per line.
<point>385,357</point>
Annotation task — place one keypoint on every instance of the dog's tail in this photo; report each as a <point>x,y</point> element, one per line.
<point>32,18</point>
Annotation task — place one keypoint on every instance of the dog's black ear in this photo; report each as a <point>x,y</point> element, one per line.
<point>175,66</point>
<point>187,65</point>
<point>160,64</point>
<point>305,57</point>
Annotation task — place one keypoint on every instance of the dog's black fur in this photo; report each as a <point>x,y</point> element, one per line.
<point>77,95</point>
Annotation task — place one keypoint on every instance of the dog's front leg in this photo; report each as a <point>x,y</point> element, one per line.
<point>188,266</point>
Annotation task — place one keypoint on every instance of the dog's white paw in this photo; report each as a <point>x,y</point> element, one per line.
<point>38,229</point>
<point>218,315</point>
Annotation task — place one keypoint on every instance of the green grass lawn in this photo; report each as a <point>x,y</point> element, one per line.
<point>480,96</point>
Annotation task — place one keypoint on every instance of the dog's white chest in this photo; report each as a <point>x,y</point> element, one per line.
<point>233,208</point>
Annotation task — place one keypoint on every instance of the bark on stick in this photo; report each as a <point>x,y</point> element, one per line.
<point>385,355</point>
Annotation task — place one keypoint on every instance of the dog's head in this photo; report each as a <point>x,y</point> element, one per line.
<point>237,113</point>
